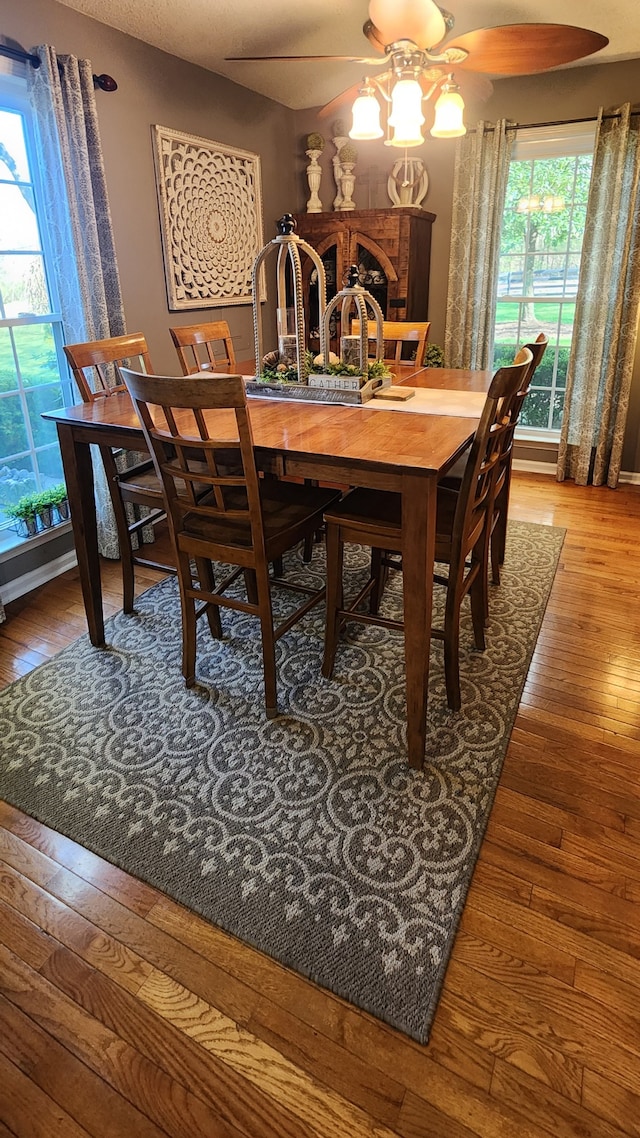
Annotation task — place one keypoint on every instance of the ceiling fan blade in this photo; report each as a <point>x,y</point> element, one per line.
<point>418,20</point>
<point>374,36</point>
<point>523,49</point>
<point>300,59</point>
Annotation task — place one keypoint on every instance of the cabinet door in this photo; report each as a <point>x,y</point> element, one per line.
<point>333,250</point>
<point>377,272</point>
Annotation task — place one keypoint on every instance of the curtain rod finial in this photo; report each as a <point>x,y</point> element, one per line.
<point>105,82</point>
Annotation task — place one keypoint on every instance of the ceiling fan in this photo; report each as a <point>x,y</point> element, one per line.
<point>413,37</point>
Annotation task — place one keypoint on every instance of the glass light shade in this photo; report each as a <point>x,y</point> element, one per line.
<point>406,116</point>
<point>448,122</point>
<point>366,118</point>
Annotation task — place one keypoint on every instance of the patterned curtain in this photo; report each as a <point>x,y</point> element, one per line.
<point>78,220</point>
<point>479,190</point>
<point>607,309</point>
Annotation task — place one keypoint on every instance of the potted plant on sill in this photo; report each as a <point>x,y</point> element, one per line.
<point>41,510</point>
<point>60,502</point>
<point>24,514</point>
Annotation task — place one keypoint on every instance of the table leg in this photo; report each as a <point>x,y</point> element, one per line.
<point>78,473</point>
<point>418,549</point>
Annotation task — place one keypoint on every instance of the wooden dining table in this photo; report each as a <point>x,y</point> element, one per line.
<point>405,448</point>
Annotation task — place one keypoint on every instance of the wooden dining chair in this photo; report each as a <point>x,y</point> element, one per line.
<point>96,369</point>
<point>502,488</point>
<point>502,477</point>
<point>243,520</point>
<point>204,347</point>
<point>373,518</point>
<point>401,332</point>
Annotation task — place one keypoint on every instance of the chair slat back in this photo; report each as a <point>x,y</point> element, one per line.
<point>178,417</point>
<point>204,347</point>
<point>399,332</point>
<point>96,364</point>
<point>537,350</point>
<point>476,491</point>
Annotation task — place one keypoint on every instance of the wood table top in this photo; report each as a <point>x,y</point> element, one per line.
<point>353,433</point>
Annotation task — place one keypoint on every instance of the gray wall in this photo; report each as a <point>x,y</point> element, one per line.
<point>154,87</point>
<point>576,92</point>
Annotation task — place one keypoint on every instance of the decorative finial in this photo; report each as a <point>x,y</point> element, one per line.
<point>353,276</point>
<point>286,224</point>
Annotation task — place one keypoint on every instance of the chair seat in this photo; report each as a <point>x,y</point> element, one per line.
<point>377,513</point>
<point>285,507</point>
<point>453,479</point>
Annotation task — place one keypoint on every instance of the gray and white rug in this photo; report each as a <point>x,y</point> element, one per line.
<point>307,836</point>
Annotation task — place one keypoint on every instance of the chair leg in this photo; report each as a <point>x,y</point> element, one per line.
<point>477,599</point>
<point>207,582</point>
<point>261,577</point>
<point>335,558</point>
<point>251,586</point>
<point>124,541</point>
<point>452,644</point>
<point>188,610</point>
<point>307,551</point>
<point>499,536</point>
<point>379,574</point>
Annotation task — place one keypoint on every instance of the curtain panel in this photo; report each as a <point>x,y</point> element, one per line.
<point>479,191</point>
<point>78,221</point>
<point>607,308</point>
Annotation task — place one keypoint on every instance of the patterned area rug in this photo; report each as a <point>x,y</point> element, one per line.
<point>307,836</point>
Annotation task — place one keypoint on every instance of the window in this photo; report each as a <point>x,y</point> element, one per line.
<point>540,249</point>
<point>33,374</point>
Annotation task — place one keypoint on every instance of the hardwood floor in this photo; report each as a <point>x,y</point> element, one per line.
<point>126,1016</point>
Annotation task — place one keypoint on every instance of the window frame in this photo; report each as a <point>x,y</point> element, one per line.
<point>14,98</point>
<point>531,144</point>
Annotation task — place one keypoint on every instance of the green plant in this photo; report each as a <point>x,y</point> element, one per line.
<point>315,141</point>
<point>57,494</point>
<point>375,370</point>
<point>25,509</point>
<point>434,356</point>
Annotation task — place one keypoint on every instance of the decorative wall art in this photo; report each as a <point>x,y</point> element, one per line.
<point>210,202</point>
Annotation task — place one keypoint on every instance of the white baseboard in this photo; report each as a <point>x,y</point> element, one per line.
<point>630,477</point>
<point>46,572</point>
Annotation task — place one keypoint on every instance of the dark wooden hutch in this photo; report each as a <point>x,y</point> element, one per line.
<point>392,247</point>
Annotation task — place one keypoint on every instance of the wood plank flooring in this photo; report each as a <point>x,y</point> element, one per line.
<point>124,1015</point>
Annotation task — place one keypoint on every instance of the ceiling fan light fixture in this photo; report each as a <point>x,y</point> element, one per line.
<point>419,20</point>
<point>449,109</point>
<point>366,116</point>
<point>406,115</point>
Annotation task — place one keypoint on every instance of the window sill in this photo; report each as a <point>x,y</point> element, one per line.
<point>528,435</point>
<point>11,544</point>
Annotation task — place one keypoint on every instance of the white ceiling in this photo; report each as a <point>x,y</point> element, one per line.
<point>205,31</point>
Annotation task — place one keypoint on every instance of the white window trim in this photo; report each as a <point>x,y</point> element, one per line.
<point>553,141</point>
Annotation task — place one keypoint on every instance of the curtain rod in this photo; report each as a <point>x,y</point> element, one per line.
<point>104,82</point>
<point>555,122</point>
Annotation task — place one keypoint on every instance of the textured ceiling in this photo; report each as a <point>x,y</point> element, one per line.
<point>205,31</point>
